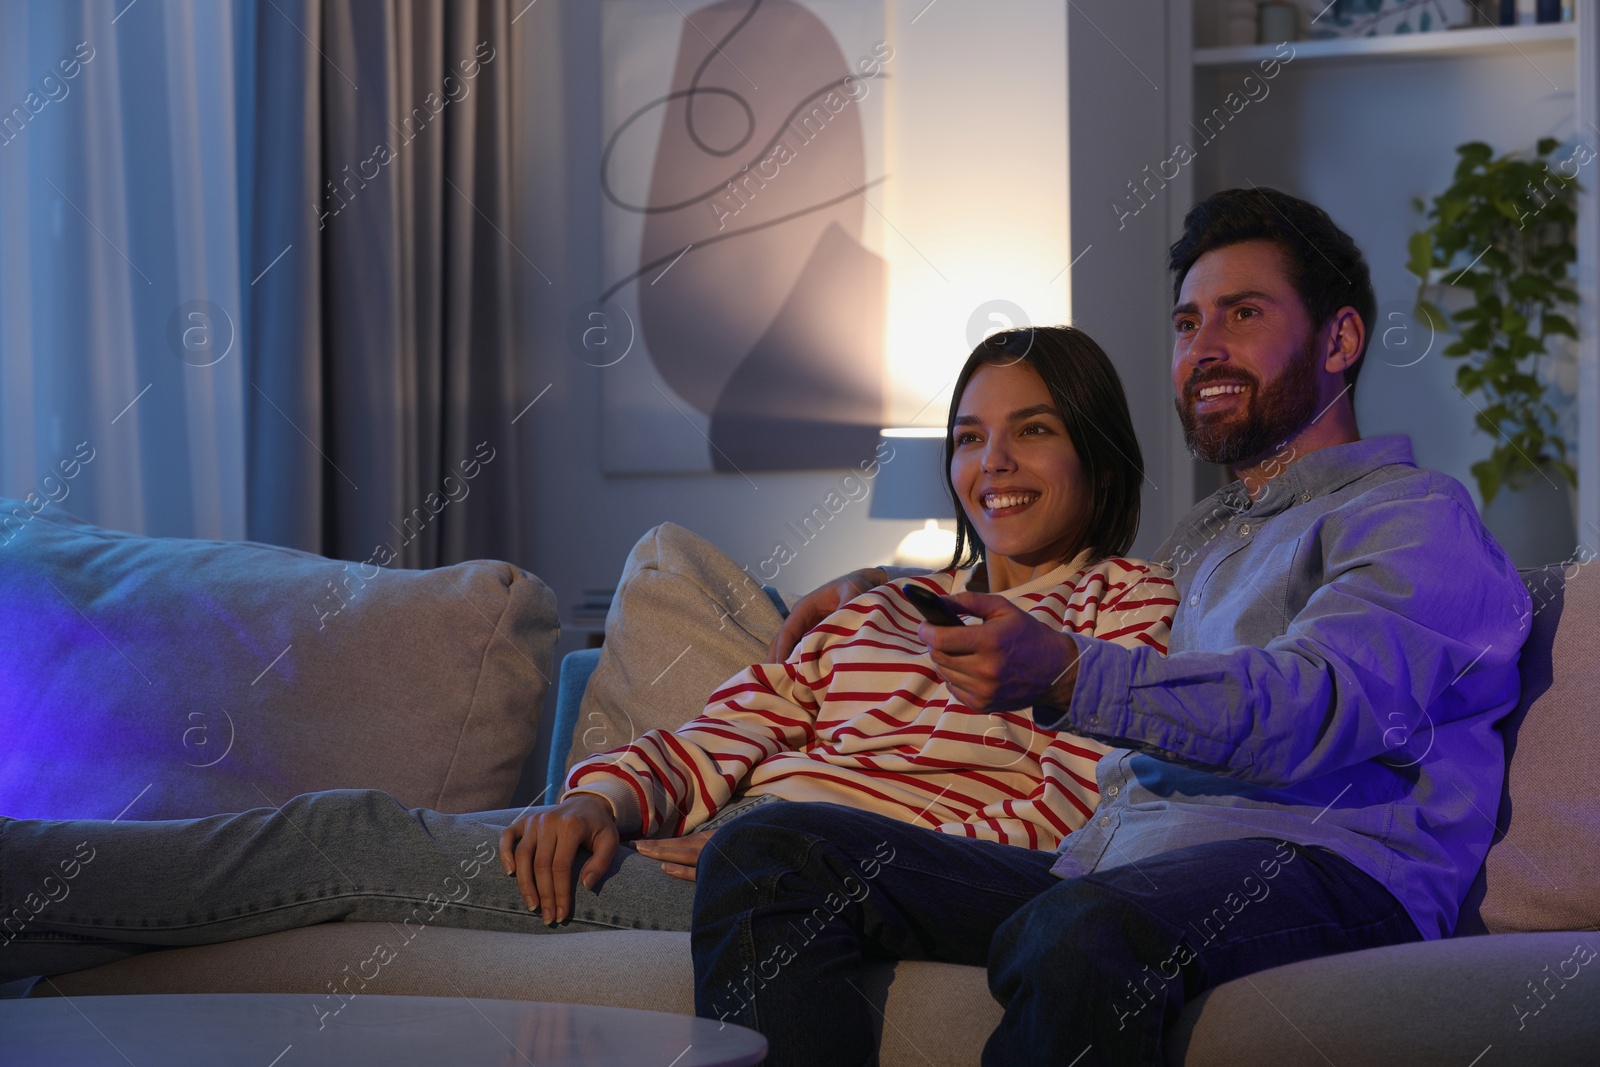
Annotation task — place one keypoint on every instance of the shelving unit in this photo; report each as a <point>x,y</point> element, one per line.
<point>1444,42</point>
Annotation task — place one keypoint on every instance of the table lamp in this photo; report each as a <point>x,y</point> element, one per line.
<point>912,486</point>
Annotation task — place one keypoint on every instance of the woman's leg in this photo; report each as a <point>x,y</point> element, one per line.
<point>79,893</point>
<point>795,900</point>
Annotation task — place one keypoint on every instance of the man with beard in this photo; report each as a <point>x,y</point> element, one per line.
<point>1303,774</point>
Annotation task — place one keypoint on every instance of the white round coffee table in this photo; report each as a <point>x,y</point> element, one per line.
<point>295,1030</point>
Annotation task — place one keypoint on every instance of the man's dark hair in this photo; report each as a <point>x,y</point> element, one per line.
<point>1326,268</point>
<point>1085,389</point>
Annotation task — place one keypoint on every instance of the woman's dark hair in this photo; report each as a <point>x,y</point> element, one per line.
<point>1086,390</point>
<point>1326,267</point>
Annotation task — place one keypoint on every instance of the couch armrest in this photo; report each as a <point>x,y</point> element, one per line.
<point>576,667</point>
<point>425,684</point>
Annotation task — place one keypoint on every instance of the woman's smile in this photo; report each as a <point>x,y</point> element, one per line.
<point>1002,502</point>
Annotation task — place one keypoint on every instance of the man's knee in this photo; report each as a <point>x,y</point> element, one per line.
<point>793,818</point>
<point>787,823</point>
<point>759,832</point>
<point>1071,928</point>
<point>785,838</point>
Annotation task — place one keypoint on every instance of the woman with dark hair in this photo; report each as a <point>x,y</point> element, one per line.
<point>1046,470</point>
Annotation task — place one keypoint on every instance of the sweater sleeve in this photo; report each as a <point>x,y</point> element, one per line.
<point>665,782</point>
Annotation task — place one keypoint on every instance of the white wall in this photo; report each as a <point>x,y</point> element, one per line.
<point>977,183</point>
<point>1117,98</point>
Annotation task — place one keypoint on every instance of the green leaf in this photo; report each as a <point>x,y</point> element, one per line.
<point>1508,209</point>
<point>1530,287</point>
<point>1522,346</point>
<point>1475,154</point>
<point>1421,248</point>
<point>1497,363</point>
<point>1497,261</point>
<point>1546,145</point>
<point>1558,324</point>
<point>1488,475</point>
<point>1521,382</point>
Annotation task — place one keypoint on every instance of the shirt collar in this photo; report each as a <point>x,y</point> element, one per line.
<point>1041,584</point>
<point>1327,470</point>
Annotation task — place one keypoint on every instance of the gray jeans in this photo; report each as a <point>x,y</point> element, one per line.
<point>80,893</point>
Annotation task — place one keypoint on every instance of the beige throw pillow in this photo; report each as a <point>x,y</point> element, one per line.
<point>685,619</point>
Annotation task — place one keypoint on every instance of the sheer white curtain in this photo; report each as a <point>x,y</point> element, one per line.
<point>122,275</point>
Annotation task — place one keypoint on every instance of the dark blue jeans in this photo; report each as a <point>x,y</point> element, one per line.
<point>795,900</point>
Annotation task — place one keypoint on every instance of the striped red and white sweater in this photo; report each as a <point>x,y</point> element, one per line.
<point>858,716</point>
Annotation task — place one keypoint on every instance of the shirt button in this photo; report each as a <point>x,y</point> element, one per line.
<point>1244,531</point>
<point>1305,496</point>
<point>1105,820</point>
<point>1194,598</point>
<point>1113,791</point>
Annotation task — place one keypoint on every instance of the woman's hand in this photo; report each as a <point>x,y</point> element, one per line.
<point>818,605</point>
<point>540,846</point>
<point>679,855</point>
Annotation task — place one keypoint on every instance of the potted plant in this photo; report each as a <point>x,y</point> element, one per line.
<point>1499,242</point>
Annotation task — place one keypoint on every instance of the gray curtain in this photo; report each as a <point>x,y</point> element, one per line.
<point>383,374</point>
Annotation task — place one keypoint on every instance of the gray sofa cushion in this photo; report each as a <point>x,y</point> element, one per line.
<point>1543,870</point>
<point>1424,1004</point>
<point>174,677</point>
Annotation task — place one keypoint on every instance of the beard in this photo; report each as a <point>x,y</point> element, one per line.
<point>1271,415</point>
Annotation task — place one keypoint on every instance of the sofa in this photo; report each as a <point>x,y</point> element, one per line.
<point>429,684</point>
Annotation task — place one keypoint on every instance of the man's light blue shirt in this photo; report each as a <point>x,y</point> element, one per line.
<point>1343,650</point>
